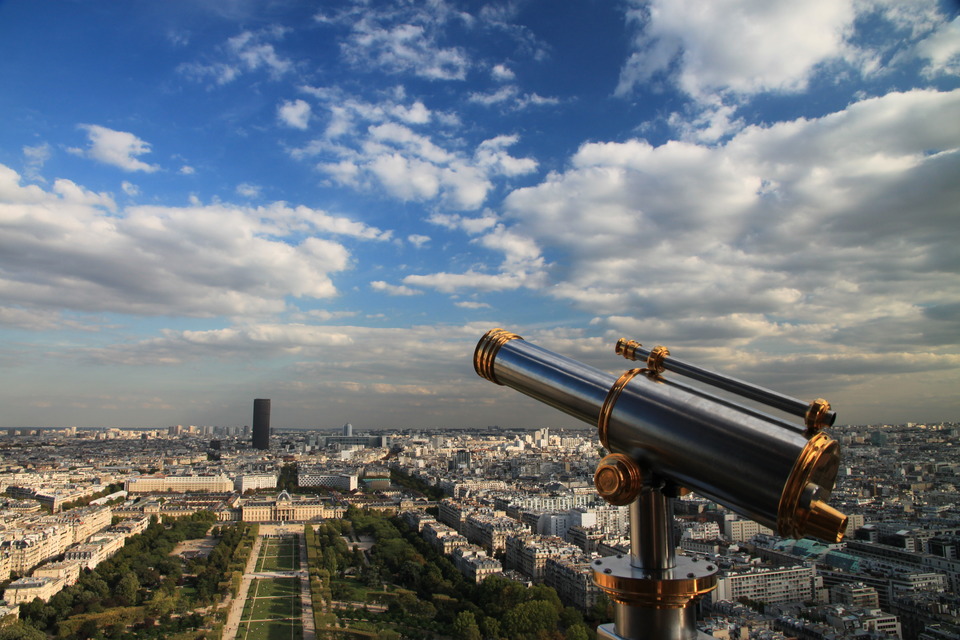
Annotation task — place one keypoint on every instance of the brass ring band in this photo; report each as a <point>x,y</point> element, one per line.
<point>621,583</point>
<point>815,417</point>
<point>655,359</point>
<point>627,348</point>
<point>603,420</point>
<point>791,515</point>
<point>486,352</point>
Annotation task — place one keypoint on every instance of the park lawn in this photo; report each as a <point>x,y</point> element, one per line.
<point>275,587</point>
<point>279,555</point>
<point>270,630</point>
<point>275,609</point>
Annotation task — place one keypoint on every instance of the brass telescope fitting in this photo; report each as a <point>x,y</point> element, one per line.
<point>618,479</point>
<point>486,352</point>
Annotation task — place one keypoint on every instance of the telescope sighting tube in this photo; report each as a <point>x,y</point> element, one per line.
<point>817,415</point>
<point>728,453</point>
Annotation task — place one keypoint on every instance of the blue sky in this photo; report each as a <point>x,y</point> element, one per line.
<point>328,204</point>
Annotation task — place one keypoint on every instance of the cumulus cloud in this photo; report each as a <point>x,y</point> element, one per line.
<point>411,166</point>
<point>73,248</point>
<point>116,148</point>
<point>248,190</point>
<point>390,152</point>
<point>779,44</point>
<point>492,154</point>
<point>502,73</point>
<point>418,240</point>
<point>942,49</point>
<point>246,52</point>
<point>34,159</point>
<point>511,97</point>
<point>795,231</point>
<point>467,304</point>
<point>404,39</point>
<point>393,290</point>
<point>294,113</point>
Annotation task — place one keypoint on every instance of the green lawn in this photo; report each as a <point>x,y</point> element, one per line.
<point>281,554</point>
<point>273,630</point>
<point>272,610</point>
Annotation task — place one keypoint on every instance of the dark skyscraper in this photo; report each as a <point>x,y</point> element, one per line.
<point>261,423</point>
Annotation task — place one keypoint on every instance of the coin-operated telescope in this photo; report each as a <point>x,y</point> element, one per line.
<point>667,437</point>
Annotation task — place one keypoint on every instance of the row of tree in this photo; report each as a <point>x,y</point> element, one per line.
<point>143,591</point>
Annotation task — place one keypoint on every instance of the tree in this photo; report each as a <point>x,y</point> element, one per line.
<point>21,631</point>
<point>578,631</point>
<point>528,619</point>
<point>490,627</point>
<point>465,626</point>
<point>127,588</point>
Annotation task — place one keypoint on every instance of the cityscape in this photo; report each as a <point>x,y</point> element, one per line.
<point>487,510</point>
<point>247,249</point>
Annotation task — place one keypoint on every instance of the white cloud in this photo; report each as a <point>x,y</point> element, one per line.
<point>942,49</point>
<point>346,112</point>
<point>117,148</point>
<point>71,248</point>
<point>248,190</point>
<point>404,48</point>
<point>34,159</point>
<point>295,113</point>
<point>472,226</point>
<point>795,231</point>
<point>130,189</point>
<point>187,170</point>
<point>453,282</point>
<point>417,240</point>
<point>248,51</point>
<point>393,290</point>
<point>254,53</point>
<point>466,304</point>
<point>779,43</point>
<point>502,73</point>
<point>410,166</point>
<point>492,155</point>
<point>416,113</point>
<point>511,96</point>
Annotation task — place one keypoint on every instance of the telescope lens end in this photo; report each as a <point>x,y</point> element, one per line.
<point>825,522</point>
<point>486,352</point>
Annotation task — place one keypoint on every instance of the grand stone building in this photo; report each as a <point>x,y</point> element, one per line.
<point>287,508</point>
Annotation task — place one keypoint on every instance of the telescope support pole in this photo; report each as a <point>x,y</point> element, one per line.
<point>652,556</point>
<point>651,530</point>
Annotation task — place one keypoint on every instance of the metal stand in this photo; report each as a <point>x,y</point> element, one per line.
<point>653,591</point>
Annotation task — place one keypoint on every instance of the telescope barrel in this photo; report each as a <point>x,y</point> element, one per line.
<point>817,416</point>
<point>736,457</point>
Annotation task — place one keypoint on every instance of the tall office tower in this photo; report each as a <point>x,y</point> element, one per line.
<point>261,423</point>
<point>348,430</point>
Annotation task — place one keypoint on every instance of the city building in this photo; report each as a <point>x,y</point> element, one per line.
<point>261,424</point>
<point>287,508</point>
<point>767,584</point>
<point>178,484</point>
